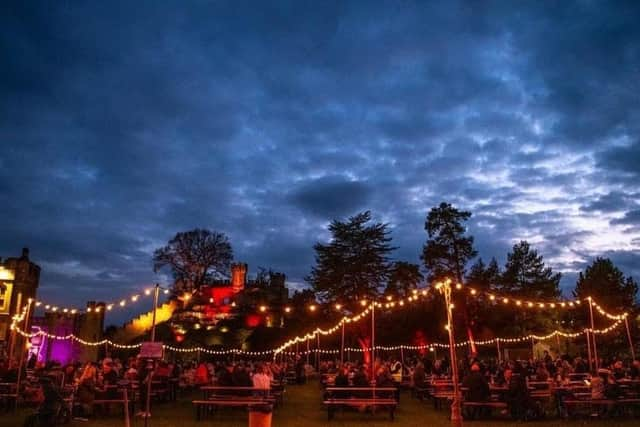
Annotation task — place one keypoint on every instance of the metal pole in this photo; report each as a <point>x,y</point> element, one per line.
<point>533,349</point>
<point>307,350</point>
<point>318,354</point>
<point>155,309</point>
<point>12,342</point>
<point>127,421</point>
<point>373,340</point>
<point>593,334</point>
<point>586,331</point>
<point>456,410</point>
<point>498,347</point>
<point>342,345</point>
<point>21,352</point>
<point>147,414</point>
<point>626,324</point>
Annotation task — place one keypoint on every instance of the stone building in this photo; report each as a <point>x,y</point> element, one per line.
<point>19,280</point>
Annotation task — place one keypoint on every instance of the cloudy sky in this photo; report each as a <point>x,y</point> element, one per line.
<point>122,124</point>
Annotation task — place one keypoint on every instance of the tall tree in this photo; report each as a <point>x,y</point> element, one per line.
<point>484,277</point>
<point>355,263</point>
<point>404,278</point>
<point>526,277</point>
<point>448,249</point>
<point>525,274</point>
<point>608,286</point>
<point>195,257</point>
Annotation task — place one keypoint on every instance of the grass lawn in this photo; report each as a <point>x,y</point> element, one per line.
<point>303,408</point>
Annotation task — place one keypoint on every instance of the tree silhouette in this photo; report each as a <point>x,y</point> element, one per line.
<point>404,278</point>
<point>448,250</point>
<point>195,257</point>
<point>354,264</point>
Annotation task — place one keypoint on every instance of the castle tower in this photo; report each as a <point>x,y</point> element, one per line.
<point>238,277</point>
<point>90,327</point>
<point>19,280</point>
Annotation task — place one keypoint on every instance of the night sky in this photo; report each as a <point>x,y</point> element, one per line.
<point>122,124</point>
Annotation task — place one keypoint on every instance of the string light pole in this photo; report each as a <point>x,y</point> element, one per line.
<point>156,294</point>
<point>373,339</point>
<point>626,324</point>
<point>456,410</point>
<point>593,335</point>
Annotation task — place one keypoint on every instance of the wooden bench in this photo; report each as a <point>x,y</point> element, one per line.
<point>216,396</point>
<point>596,404</point>
<point>337,397</point>
<point>488,404</point>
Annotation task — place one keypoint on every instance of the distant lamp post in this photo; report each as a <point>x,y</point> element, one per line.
<point>456,411</point>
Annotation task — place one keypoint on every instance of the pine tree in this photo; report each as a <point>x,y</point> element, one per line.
<point>355,264</point>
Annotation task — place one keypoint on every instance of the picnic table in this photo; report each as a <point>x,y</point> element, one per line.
<point>374,397</point>
<point>216,396</point>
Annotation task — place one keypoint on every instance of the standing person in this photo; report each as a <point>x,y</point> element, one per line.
<point>87,389</point>
<point>261,380</point>
<point>145,374</point>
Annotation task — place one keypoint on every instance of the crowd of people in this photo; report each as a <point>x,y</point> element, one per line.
<point>103,379</point>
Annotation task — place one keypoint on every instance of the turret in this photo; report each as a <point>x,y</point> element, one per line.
<point>238,277</point>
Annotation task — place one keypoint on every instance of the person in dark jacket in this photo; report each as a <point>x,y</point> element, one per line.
<point>477,390</point>
<point>518,394</point>
<point>50,407</point>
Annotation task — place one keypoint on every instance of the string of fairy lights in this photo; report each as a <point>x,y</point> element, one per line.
<point>108,306</point>
<point>387,303</point>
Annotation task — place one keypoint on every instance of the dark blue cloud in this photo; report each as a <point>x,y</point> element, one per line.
<point>123,123</point>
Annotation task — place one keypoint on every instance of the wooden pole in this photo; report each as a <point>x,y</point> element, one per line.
<point>456,407</point>
<point>21,351</point>
<point>318,354</point>
<point>373,339</point>
<point>342,345</point>
<point>593,335</point>
<point>626,324</point>
<point>586,331</point>
<point>127,420</point>
<point>498,348</point>
<point>147,411</point>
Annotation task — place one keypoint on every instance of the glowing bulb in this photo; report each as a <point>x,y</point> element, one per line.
<point>458,286</point>
<point>97,309</point>
<point>88,309</point>
<point>312,307</point>
<point>122,303</point>
<point>287,309</point>
<point>166,291</point>
<point>263,308</point>
<point>134,298</point>
<point>505,300</point>
<point>338,306</point>
<point>47,306</point>
<point>363,302</point>
<point>147,292</point>
<point>473,292</point>
<point>529,304</point>
<point>492,297</point>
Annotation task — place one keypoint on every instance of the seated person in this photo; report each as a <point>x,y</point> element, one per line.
<point>518,393</point>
